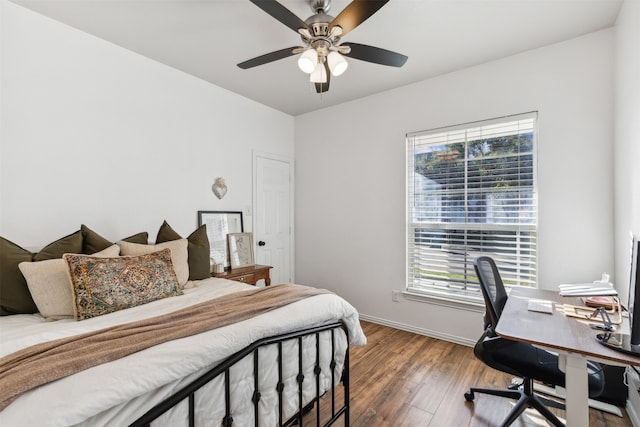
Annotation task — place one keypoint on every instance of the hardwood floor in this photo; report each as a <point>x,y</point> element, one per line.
<point>404,379</point>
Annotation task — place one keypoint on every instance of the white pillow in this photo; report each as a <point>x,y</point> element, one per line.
<point>50,286</point>
<point>179,255</point>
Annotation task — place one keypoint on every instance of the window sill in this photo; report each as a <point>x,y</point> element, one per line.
<point>446,300</point>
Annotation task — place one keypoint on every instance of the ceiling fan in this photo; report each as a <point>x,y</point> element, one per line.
<point>322,53</point>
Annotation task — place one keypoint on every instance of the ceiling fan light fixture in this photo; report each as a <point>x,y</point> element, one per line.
<point>308,61</point>
<point>321,54</point>
<point>337,63</point>
<point>319,75</point>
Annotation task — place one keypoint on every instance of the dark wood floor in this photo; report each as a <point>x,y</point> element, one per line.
<point>404,379</point>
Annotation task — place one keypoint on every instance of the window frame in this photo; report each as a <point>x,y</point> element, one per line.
<point>449,296</point>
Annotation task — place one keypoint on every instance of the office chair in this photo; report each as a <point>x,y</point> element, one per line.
<point>518,358</point>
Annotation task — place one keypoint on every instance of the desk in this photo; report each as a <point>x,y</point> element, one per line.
<point>572,339</point>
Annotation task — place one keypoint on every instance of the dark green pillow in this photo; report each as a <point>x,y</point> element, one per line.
<point>198,249</point>
<point>141,238</point>
<point>14,293</point>
<point>71,244</point>
<point>92,242</point>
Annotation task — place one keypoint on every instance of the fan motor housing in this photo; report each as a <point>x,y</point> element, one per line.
<point>320,29</point>
<point>319,24</point>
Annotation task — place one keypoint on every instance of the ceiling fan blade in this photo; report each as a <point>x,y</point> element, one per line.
<point>281,13</point>
<point>324,87</point>
<point>375,54</point>
<point>267,57</point>
<point>356,13</point>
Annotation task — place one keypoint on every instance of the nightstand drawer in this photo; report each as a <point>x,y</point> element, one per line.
<point>246,278</point>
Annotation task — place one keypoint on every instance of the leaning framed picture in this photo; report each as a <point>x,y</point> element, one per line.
<point>241,249</point>
<point>219,224</point>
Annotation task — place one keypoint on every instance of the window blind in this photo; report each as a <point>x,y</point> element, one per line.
<point>471,191</point>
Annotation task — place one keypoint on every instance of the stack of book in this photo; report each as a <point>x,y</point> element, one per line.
<point>597,294</point>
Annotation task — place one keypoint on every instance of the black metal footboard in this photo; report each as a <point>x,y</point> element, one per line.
<point>323,416</point>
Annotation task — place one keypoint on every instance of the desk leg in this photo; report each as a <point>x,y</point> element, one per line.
<point>577,389</point>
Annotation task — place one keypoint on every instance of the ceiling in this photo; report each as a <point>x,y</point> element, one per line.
<point>207,38</point>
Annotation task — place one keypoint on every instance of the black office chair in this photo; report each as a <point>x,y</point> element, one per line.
<point>517,358</point>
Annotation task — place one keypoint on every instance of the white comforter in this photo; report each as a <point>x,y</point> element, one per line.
<point>114,393</point>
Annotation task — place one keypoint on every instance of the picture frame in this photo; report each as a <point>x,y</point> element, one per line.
<point>219,224</point>
<point>240,249</point>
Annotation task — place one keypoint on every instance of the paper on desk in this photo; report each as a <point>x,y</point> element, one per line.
<point>587,289</point>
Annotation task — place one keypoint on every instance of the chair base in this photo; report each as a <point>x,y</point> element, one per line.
<point>525,399</point>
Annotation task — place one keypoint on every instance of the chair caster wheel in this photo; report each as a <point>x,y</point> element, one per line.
<point>513,386</point>
<point>469,396</point>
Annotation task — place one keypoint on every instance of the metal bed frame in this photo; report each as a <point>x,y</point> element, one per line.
<point>188,392</point>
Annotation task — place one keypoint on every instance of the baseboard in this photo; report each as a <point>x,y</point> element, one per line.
<point>420,331</point>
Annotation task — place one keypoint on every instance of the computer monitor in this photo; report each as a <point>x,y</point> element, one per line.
<point>629,343</point>
<point>634,293</point>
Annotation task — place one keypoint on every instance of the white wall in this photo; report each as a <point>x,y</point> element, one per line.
<point>350,215</point>
<point>95,134</point>
<point>627,131</point>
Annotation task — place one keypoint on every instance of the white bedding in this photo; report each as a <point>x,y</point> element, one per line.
<point>117,393</point>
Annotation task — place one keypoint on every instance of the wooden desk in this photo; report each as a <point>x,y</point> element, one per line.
<point>572,339</point>
<point>249,275</point>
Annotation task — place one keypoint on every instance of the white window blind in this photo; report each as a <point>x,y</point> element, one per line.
<point>471,191</point>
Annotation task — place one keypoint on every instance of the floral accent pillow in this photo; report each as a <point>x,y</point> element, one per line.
<point>105,285</point>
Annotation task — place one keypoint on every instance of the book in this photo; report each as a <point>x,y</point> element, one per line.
<point>588,289</point>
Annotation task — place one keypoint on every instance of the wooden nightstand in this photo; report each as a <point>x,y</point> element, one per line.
<point>248,275</point>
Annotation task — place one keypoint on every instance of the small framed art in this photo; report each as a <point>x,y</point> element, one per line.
<point>219,224</point>
<point>240,249</point>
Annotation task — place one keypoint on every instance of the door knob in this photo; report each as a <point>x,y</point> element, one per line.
<point>261,243</point>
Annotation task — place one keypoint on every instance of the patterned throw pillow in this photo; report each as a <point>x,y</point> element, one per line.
<point>105,285</point>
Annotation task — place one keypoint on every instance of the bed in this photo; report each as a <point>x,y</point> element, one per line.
<point>119,392</point>
<point>303,343</point>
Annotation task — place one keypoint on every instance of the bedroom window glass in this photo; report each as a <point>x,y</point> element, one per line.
<point>471,191</point>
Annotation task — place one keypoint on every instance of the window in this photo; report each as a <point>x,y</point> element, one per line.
<point>471,192</point>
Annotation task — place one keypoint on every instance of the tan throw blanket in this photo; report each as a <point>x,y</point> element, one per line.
<point>42,363</point>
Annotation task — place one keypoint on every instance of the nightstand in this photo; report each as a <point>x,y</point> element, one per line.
<point>249,275</point>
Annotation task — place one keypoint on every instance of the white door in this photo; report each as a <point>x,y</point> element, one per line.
<point>273,215</point>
